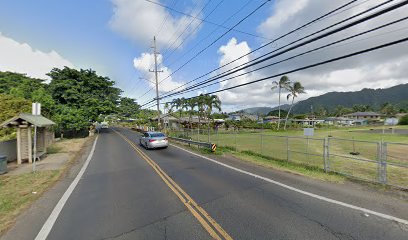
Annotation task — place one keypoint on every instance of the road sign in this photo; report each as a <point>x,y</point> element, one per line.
<point>36,108</point>
<point>213,147</point>
<point>308,132</point>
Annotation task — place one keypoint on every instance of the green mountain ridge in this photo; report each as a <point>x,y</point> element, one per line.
<point>397,95</point>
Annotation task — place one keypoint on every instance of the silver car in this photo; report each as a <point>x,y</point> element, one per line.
<point>154,140</point>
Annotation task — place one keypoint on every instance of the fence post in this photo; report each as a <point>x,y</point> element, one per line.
<point>382,162</point>
<point>326,143</point>
<point>261,144</point>
<point>287,149</point>
<point>236,146</point>
<point>218,137</point>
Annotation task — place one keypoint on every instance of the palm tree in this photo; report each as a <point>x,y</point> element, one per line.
<point>192,103</point>
<point>176,103</point>
<point>211,102</point>
<point>294,90</point>
<point>284,83</point>
<point>201,107</point>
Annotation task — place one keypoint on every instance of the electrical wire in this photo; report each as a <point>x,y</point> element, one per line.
<point>307,52</point>
<point>210,34</point>
<point>319,37</point>
<point>185,39</point>
<point>212,43</point>
<point>389,44</point>
<point>267,44</point>
<point>188,25</point>
<point>381,12</point>
<point>204,20</point>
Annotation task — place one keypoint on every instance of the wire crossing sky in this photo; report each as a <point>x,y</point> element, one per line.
<point>210,46</point>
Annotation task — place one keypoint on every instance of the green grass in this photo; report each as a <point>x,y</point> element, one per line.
<point>309,153</point>
<point>304,170</point>
<point>270,162</point>
<point>16,193</point>
<point>53,149</point>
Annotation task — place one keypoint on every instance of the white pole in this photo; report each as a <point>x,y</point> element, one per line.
<point>35,146</point>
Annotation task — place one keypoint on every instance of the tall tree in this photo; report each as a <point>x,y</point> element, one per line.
<point>128,107</point>
<point>191,103</point>
<point>284,83</point>
<point>201,107</point>
<point>85,90</point>
<point>10,106</point>
<point>294,91</point>
<point>211,102</point>
<point>18,84</point>
<point>388,109</point>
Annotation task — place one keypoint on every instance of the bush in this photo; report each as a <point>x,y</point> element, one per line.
<point>404,120</point>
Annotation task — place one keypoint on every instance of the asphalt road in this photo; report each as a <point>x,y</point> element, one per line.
<point>121,196</point>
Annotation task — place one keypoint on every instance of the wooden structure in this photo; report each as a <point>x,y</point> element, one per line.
<point>24,123</point>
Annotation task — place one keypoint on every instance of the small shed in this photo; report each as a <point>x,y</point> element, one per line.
<point>24,124</point>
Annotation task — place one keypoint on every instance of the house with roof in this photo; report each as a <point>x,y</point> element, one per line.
<point>364,115</point>
<point>242,116</point>
<point>342,121</point>
<point>271,119</point>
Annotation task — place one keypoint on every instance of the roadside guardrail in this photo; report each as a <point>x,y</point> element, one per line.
<point>211,146</point>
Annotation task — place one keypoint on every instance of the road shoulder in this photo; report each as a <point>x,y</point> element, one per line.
<point>394,203</point>
<point>29,223</point>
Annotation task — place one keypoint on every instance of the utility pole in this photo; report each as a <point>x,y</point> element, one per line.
<point>157,80</point>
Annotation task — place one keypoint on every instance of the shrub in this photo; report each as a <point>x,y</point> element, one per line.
<point>404,120</point>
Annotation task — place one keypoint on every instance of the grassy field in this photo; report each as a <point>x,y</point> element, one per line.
<point>352,151</point>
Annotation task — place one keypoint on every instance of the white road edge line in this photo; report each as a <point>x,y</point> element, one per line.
<point>378,214</point>
<point>46,229</point>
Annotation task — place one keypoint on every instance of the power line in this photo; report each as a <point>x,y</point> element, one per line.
<point>396,6</point>
<point>204,20</point>
<point>165,19</point>
<point>315,64</point>
<point>267,44</point>
<point>212,43</point>
<point>181,43</point>
<point>216,40</point>
<point>188,25</point>
<point>211,33</point>
<point>318,64</point>
<point>301,54</point>
<point>259,60</point>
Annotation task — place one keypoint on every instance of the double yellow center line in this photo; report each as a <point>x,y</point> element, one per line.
<point>208,223</point>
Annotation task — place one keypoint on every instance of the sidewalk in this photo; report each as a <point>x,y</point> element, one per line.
<point>63,151</point>
<point>21,189</point>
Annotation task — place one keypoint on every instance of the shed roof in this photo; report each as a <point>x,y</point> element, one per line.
<point>364,114</point>
<point>37,120</point>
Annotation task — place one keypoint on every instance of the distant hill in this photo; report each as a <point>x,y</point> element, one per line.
<point>372,97</point>
<point>263,110</point>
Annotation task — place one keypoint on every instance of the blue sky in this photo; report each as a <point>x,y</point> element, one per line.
<point>110,36</point>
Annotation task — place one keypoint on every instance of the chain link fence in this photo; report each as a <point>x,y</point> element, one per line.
<point>380,162</point>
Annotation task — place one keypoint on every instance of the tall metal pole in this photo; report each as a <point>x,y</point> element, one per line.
<point>35,147</point>
<point>157,82</point>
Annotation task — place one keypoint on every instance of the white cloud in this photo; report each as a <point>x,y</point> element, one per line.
<point>284,10</point>
<point>145,62</point>
<point>255,94</point>
<point>22,58</point>
<point>379,69</point>
<point>140,20</point>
